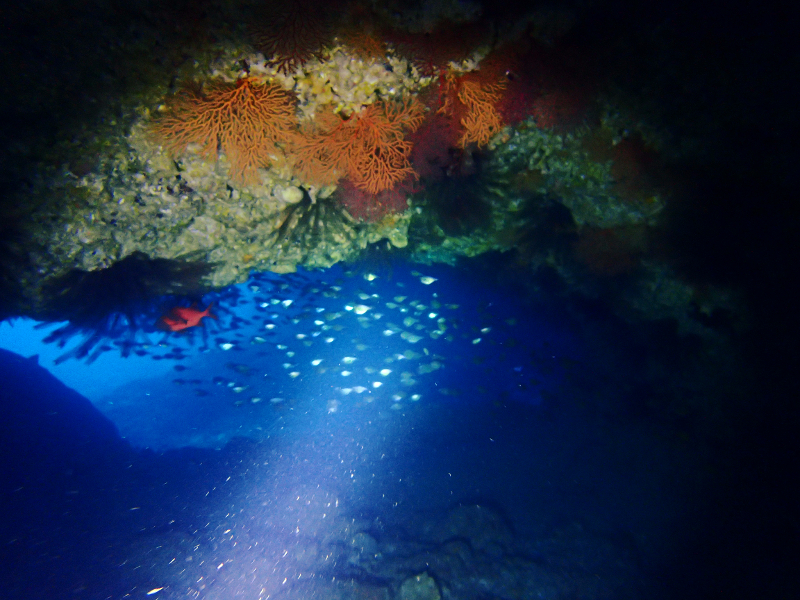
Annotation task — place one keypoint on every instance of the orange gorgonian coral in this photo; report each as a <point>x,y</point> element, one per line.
<point>369,147</point>
<point>246,121</point>
<point>472,101</point>
<point>481,120</point>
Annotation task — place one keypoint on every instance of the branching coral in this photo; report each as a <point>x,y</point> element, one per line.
<point>246,120</point>
<point>473,102</point>
<point>369,146</point>
<point>481,121</point>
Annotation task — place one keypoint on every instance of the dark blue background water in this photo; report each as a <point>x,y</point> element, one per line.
<point>527,411</point>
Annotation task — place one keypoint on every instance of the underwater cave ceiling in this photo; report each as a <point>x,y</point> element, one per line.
<point>262,148</point>
<point>511,281</point>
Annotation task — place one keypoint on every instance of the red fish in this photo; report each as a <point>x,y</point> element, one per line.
<point>181,317</point>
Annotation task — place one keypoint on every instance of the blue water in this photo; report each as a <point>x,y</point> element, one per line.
<point>348,428</point>
<point>238,378</point>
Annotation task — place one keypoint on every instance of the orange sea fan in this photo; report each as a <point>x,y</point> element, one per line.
<point>369,146</point>
<point>481,120</point>
<point>472,101</point>
<point>246,120</point>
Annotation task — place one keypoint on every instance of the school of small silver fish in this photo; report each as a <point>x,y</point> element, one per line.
<point>361,340</point>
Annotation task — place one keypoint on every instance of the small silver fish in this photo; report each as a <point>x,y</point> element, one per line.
<point>410,337</point>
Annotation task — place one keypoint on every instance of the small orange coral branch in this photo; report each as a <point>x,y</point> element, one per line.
<point>482,120</point>
<point>246,120</point>
<point>474,101</point>
<point>369,146</point>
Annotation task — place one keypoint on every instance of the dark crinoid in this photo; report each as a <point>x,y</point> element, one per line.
<point>108,307</point>
<point>462,202</point>
<point>313,226</point>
